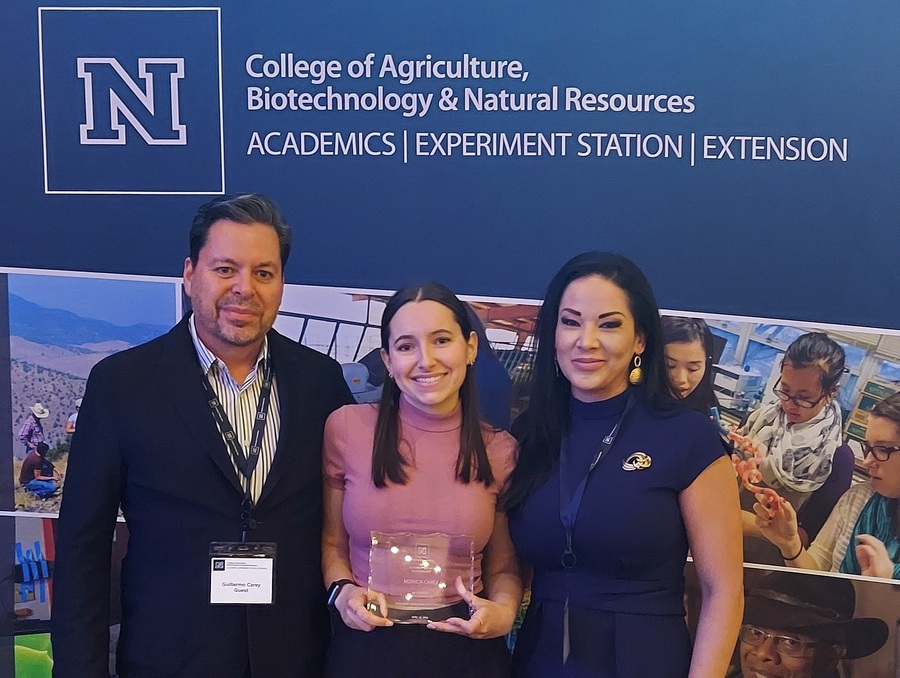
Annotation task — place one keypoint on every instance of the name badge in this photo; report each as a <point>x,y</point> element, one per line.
<point>242,573</point>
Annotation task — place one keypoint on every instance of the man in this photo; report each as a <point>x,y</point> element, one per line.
<point>32,430</point>
<point>152,434</point>
<point>802,626</point>
<point>38,474</point>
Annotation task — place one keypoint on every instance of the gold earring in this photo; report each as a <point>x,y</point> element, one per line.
<point>636,376</point>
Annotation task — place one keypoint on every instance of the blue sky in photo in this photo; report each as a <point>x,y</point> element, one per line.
<point>120,302</point>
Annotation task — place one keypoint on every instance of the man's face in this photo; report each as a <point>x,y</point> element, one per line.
<point>768,660</point>
<point>236,285</point>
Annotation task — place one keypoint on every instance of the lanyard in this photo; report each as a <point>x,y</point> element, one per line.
<point>246,463</point>
<point>568,506</point>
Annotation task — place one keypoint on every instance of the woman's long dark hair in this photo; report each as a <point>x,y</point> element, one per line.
<point>540,429</point>
<point>387,460</point>
<point>676,329</point>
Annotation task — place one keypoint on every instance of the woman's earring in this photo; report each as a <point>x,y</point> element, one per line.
<point>636,376</point>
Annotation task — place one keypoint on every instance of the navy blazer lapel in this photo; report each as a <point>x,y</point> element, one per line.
<point>288,379</point>
<point>180,372</point>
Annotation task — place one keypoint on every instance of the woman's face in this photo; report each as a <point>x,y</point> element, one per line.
<point>596,338</point>
<point>803,383</point>
<point>427,355</point>
<point>686,362</point>
<point>884,475</point>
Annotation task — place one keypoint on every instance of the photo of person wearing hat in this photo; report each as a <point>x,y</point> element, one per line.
<point>32,430</point>
<point>802,626</point>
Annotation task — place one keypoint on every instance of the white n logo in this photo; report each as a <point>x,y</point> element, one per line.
<point>151,110</point>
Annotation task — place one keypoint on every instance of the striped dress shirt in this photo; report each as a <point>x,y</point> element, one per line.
<point>239,402</point>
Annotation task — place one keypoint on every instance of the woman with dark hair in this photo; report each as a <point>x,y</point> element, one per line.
<point>794,439</point>
<point>615,482</point>
<point>688,345</point>
<point>862,534</point>
<point>424,463</point>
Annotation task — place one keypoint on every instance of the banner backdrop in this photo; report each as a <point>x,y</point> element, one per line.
<point>745,156</point>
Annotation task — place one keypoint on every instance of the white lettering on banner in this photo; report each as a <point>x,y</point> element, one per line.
<point>791,149</point>
<point>575,100</point>
<point>406,71</point>
<point>629,144</point>
<point>476,99</point>
<point>491,143</point>
<point>412,104</point>
<point>322,143</point>
<point>287,66</point>
<point>153,110</point>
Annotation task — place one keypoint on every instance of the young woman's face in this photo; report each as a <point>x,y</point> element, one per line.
<point>596,338</point>
<point>884,475</point>
<point>686,362</point>
<point>802,383</point>
<point>428,355</point>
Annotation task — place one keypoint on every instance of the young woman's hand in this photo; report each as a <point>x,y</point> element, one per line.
<point>488,620</point>
<point>352,604</point>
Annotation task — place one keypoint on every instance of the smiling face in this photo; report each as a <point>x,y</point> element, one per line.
<point>236,286</point>
<point>686,363</point>
<point>804,383</point>
<point>884,475</point>
<point>763,661</point>
<point>596,338</point>
<point>428,356</point>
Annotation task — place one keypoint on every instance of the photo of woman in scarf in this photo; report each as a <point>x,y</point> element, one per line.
<point>792,446</point>
<point>862,534</point>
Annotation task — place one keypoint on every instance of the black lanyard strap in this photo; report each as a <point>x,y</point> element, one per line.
<point>569,505</point>
<point>246,463</point>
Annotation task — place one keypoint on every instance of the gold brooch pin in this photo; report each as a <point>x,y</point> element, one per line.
<point>637,461</point>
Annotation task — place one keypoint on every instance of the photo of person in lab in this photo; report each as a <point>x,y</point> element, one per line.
<point>792,449</point>
<point>862,534</point>
<point>688,344</point>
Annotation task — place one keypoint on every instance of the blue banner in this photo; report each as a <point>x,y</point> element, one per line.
<point>743,155</point>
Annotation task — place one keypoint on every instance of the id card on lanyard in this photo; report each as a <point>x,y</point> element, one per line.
<point>569,503</point>
<point>243,572</point>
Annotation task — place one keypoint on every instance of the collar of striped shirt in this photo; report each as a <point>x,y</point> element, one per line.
<point>208,358</point>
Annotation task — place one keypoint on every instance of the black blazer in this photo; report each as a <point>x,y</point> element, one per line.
<point>146,439</point>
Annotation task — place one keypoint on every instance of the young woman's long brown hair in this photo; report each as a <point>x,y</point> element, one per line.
<point>387,461</point>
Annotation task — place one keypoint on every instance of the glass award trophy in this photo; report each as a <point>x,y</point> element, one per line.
<point>412,577</point>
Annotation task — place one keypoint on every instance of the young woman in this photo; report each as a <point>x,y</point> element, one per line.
<point>688,345</point>
<point>862,534</point>
<point>421,462</point>
<point>615,482</point>
<point>797,436</point>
